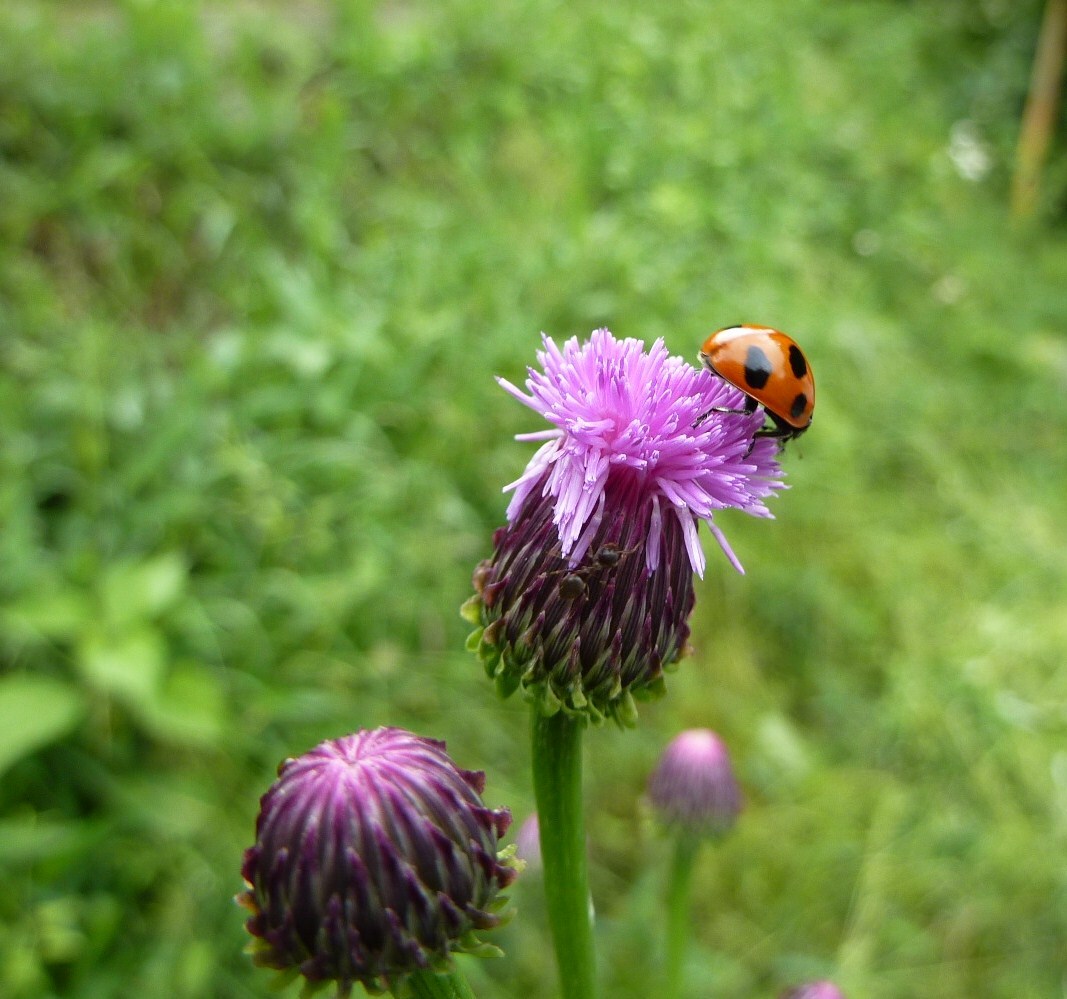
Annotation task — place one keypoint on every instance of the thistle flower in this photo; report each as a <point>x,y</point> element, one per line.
<point>693,787</point>
<point>374,858</point>
<point>586,597</point>
<point>814,990</point>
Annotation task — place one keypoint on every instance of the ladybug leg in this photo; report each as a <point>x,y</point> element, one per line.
<point>750,408</point>
<point>780,431</point>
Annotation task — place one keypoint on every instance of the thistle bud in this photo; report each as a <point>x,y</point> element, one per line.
<point>528,844</point>
<point>587,637</point>
<point>814,990</point>
<point>693,787</point>
<point>374,857</point>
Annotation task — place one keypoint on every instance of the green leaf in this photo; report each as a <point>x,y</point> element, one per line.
<point>43,616</point>
<point>128,666</point>
<point>190,708</point>
<point>140,591</point>
<point>26,839</point>
<point>35,712</point>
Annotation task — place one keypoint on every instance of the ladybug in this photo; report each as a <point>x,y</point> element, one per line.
<point>771,370</point>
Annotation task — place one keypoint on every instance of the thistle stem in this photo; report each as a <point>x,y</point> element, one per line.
<point>679,910</point>
<point>557,775</point>
<point>437,985</point>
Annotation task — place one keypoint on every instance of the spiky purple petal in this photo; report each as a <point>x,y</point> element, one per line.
<point>616,406</point>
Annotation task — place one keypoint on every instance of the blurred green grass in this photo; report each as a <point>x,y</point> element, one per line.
<point>258,265</point>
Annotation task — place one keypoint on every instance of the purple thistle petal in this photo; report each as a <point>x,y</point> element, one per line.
<point>616,406</point>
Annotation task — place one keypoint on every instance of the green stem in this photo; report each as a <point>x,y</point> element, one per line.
<point>679,910</point>
<point>436,985</point>
<point>557,775</point>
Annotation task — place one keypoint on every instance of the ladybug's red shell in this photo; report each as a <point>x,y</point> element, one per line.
<point>770,369</point>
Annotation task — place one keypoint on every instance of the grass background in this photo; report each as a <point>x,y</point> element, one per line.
<point>258,265</point>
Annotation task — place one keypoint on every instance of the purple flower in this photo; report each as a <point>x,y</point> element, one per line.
<point>374,857</point>
<point>622,413</point>
<point>814,990</point>
<point>693,787</point>
<point>586,598</point>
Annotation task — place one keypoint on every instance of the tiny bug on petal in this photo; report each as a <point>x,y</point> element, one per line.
<point>575,583</point>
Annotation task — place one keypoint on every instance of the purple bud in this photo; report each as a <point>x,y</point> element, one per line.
<point>374,857</point>
<point>693,786</point>
<point>814,990</point>
<point>528,843</point>
<point>586,638</point>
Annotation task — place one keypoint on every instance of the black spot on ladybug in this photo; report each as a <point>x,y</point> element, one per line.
<point>797,362</point>
<point>800,403</point>
<point>758,368</point>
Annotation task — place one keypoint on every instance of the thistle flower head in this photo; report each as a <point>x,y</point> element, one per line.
<point>374,858</point>
<point>586,597</point>
<point>814,990</point>
<point>693,787</point>
<point>623,413</point>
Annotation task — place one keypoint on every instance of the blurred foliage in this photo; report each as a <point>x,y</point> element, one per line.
<point>258,265</point>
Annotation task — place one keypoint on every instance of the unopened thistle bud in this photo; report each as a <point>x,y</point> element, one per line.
<point>693,788</point>
<point>375,857</point>
<point>585,600</point>
<point>814,990</point>
<point>528,844</point>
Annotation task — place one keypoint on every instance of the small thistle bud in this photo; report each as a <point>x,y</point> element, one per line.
<point>528,844</point>
<point>586,598</point>
<point>374,858</point>
<point>693,787</point>
<point>814,990</point>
